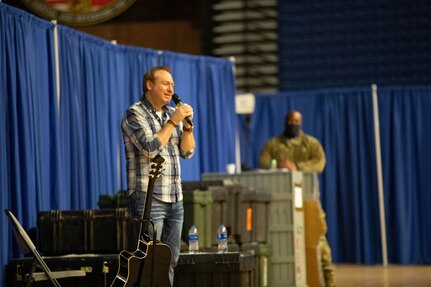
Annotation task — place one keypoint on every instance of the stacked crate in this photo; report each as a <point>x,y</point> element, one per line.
<point>198,211</point>
<point>285,223</point>
<point>85,231</point>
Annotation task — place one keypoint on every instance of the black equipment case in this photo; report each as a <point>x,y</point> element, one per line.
<point>100,270</point>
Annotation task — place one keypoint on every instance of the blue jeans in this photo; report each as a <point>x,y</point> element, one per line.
<point>168,220</point>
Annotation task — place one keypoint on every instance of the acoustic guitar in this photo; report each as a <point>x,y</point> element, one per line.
<point>148,265</point>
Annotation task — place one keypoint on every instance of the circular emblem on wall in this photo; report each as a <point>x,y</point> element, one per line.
<point>78,12</point>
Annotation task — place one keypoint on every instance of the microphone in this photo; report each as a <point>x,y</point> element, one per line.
<point>178,102</point>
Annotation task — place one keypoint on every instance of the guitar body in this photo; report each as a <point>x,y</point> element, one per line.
<point>139,262</point>
<point>142,268</point>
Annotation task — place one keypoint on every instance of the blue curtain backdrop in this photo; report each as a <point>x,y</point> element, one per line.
<point>406,138</point>
<point>99,81</point>
<point>342,120</point>
<point>29,144</point>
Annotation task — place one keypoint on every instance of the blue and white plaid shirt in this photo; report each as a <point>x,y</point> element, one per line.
<point>139,127</point>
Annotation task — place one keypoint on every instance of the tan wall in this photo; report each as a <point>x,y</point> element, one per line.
<point>175,35</point>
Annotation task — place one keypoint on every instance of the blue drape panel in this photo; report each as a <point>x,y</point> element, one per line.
<point>84,119</point>
<point>99,81</point>
<point>405,141</point>
<point>207,84</point>
<point>349,183</point>
<point>29,143</point>
<point>218,113</point>
<point>342,120</point>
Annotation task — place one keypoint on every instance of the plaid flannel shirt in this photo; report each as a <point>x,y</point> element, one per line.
<point>139,126</point>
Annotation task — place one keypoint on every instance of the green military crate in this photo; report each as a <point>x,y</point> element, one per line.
<point>219,211</point>
<point>261,253</point>
<point>236,222</point>
<point>198,211</point>
<point>243,210</point>
<point>253,209</point>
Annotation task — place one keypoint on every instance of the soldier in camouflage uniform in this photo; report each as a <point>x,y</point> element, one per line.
<point>294,150</point>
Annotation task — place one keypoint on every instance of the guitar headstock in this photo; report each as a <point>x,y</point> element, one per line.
<point>156,166</point>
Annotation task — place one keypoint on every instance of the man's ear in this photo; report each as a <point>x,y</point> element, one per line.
<point>149,85</point>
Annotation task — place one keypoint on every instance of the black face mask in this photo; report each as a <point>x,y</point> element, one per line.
<point>291,131</point>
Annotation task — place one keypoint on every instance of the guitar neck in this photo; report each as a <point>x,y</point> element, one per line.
<point>149,199</point>
<point>154,172</point>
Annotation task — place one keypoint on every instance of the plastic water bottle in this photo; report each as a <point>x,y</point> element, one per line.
<point>193,240</point>
<point>273,164</point>
<point>222,239</point>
